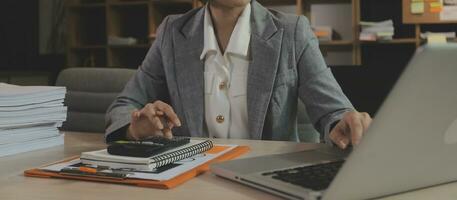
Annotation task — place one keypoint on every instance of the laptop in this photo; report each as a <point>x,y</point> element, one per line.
<point>411,144</point>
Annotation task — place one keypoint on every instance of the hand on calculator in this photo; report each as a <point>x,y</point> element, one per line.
<point>154,119</point>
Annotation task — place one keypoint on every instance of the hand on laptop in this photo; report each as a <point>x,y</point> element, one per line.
<point>350,129</point>
<point>155,119</point>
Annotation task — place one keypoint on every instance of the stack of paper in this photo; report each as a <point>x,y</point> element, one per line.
<point>447,35</point>
<point>29,117</point>
<point>103,158</point>
<point>373,31</point>
<point>438,37</point>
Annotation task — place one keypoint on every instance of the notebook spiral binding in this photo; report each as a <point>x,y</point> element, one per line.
<point>162,160</point>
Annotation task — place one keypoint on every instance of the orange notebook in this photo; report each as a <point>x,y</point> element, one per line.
<point>166,184</point>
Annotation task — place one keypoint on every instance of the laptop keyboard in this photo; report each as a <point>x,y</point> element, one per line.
<point>316,177</point>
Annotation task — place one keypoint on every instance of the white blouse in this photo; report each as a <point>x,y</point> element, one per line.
<point>226,79</point>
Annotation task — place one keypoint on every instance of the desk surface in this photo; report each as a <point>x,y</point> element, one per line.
<point>13,185</point>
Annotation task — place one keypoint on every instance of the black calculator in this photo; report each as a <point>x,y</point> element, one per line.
<point>145,148</point>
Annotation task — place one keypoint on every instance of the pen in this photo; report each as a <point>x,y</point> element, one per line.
<point>87,171</point>
<point>138,142</point>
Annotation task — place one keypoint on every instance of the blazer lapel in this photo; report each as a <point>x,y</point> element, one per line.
<point>188,45</point>
<point>265,51</point>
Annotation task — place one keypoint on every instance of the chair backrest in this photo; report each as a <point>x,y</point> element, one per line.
<point>90,91</point>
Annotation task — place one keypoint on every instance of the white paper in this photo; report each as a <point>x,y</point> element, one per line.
<point>10,149</point>
<point>45,127</point>
<point>51,104</point>
<point>9,122</point>
<point>385,23</point>
<point>26,136</point>
<point>33,112</point>
<point>9,91</point>
<point>30,124</point>
<point>186,165</point>
<point>449,13</point>
<point>13,95</point>
<point>448,35</point>
<point>31,101</point>
<point>29,117</point>
<point>59,166</point>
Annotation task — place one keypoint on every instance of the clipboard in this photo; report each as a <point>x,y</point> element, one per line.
<point>167,184</point>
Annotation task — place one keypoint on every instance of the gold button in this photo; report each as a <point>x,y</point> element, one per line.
<point>222,85</point>
<point>220,119</point>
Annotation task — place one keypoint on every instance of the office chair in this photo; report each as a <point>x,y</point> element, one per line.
<point>90,91</point>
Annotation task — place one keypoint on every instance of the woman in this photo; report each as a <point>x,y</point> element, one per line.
<point>234,69</point>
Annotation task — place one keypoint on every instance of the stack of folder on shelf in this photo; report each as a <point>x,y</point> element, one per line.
<point>374,31</point>
<point>438,37</point>
<point>30,117</point>
<point>323,33</point>
<point>114,40</point>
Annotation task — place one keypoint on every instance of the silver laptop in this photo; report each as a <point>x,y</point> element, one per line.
<point>411,144</point>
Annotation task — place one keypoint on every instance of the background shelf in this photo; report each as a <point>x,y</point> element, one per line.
<point>89,28</point>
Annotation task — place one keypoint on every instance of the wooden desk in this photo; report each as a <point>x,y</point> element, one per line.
<point>13,185</point>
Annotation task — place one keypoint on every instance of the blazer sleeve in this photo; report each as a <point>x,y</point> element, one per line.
<point>324,100</point>
<point>147,85</point>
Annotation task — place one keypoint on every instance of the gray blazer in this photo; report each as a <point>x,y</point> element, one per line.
<point>286,65</point>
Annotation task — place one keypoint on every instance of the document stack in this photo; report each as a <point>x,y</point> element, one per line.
<point>113,40</point>
<point>374,31</point>
<point>30,117</point>
<point>438,37</point>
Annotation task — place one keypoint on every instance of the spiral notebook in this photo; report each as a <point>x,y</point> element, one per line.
<point>103,158</point>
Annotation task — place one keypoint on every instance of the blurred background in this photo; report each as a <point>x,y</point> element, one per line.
<point>367,43</point>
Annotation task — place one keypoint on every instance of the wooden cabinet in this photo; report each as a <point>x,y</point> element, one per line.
<point>91,24</point>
